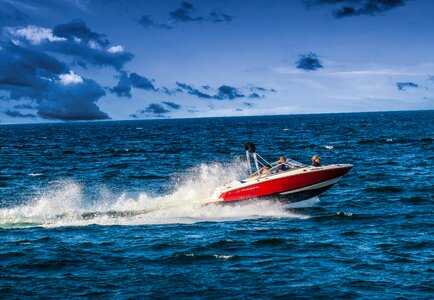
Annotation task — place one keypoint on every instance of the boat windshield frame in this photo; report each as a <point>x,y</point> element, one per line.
<point>290,163</point>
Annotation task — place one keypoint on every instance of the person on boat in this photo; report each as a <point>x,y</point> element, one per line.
<point>282,167</point>
<point>266,170</point>
<point>315,161</point>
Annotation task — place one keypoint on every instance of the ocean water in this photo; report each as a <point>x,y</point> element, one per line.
<point>115,210</point>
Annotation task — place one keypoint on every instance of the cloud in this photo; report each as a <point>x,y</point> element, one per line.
<point>75,39</point>
<point>185,14</point>
<point>28,73</point>
<point>123,88</point>
<point>261,89</point>
<point>349,8</point>
<point>193,91</point>
<point>228,92</point>
<point>172,105</point>
<point>156,108</point>
<point>170,91</point>
<point>248,104</point>
<point>116,49</point>
<point>141,82</point>
<point>309,62</point>
<point>35,34</point>
<point>403,86</point>
<point>255,95</point>
<point>17,114</point>
<point>223,92</point>
<point>431,77</point>
<point>73,102</point>
<point>78,30</point>
<point>147,22</point>
<point>218,17</point>
<point>70,78</point>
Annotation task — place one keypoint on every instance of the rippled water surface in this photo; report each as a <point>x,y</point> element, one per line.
<point>115,210</point>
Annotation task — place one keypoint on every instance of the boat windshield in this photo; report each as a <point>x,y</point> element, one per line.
<point>277,167</point>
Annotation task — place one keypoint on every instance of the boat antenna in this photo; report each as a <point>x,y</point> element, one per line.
<point>250,147</point>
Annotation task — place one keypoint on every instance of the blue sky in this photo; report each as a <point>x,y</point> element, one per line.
<point>98,60</point>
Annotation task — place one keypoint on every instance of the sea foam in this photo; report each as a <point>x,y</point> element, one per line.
<point>65,203</point>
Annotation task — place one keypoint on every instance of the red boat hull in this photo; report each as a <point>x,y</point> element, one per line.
<point>291,188</point>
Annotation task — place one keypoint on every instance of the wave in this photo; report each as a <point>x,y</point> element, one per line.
<point>65,203</point>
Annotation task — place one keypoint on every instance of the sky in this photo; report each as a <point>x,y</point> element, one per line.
<point>85,60</point>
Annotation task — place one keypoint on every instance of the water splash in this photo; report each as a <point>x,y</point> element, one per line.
<point>65,203</point>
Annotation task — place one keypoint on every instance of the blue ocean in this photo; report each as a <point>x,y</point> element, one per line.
<point>115,210</point>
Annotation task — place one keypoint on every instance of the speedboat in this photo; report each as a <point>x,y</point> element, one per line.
<point>288,182</point>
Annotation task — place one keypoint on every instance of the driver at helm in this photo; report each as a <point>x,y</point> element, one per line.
<point>282,167</point>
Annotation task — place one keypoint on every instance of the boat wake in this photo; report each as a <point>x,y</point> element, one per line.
<point>65,203</point>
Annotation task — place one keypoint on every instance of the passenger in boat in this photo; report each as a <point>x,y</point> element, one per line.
<point>282,167</point>
<point>266,170</point>
<point>315,161</point>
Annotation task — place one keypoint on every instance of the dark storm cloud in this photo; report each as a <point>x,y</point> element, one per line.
<point>141,82</point>
<point>228,92</point>
<point>156,108</point>
<point>309,62</point>
<point>259,92</point>
<point>79,30</point>
<point>193,91</point>
<point>17,114</point>
<point>185,14</point>
<point>28,73</point>
<point>261,89</point>
<point>172,104</point>
<point>170,91</point>
<point>255,95</point>
<point>73,102</point>
<point>224,92</point>
<point>349,8</point>
<point>403,86</point>
<point>147,21</point>
<point>123,88</point>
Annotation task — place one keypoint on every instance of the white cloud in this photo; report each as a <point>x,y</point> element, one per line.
<point>35,34</point>
<point>70,78</point>
<point>93,45</point>
<point>116,49</point>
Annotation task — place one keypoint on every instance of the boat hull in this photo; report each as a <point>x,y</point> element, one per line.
<point>302,185</point>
